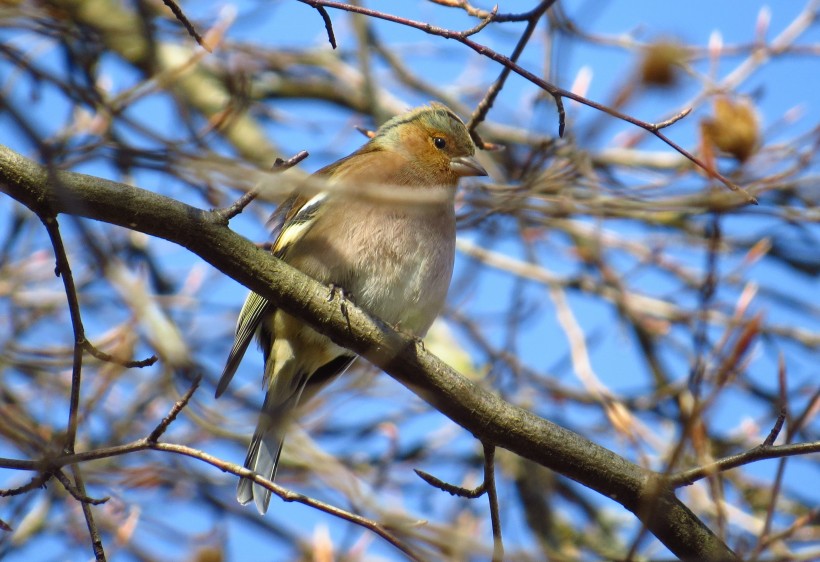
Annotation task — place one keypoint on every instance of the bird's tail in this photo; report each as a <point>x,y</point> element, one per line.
<point>265,448</point>
<point>281,401</point>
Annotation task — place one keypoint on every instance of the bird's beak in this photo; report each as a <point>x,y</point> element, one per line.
<point>467,166</point>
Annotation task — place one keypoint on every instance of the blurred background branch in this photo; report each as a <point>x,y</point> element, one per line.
<point>597,272</point>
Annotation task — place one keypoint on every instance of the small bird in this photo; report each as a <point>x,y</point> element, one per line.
<point>391,255</point>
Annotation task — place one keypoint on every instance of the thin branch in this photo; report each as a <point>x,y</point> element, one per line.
<point>778,425</point>
<point>175,410</point>
<point>806,520</point>
<point>452,489</point>
<point>478,13</point>
<point>178,13</point>
<point>37,481</point>
<point>63,269</point>
<point>492,496</point>
<point>674,119</point>
<point>482,24</point>
<point>556,92</point>
<point>759,453</point>
<point>145,444</point>
<point>239,205</point>
<point>480,112</point>
<point>488,486</point>
<point>764,538</point>
<point>331,36</point>
<point>464,5</point>
<point>75,492</point>
<point>287,495</point>
<point>770,509</point>
<point>705,296</point>
<point>809,410</point>
<point>151,443</point>
<point>129,364</point>
<point>91,524</point>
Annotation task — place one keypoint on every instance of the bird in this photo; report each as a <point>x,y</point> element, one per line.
<point>382,230</point>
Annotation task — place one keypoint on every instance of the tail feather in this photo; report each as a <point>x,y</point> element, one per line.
<point>274,419</point>
<point>262,458</point>
<point>266,445</point>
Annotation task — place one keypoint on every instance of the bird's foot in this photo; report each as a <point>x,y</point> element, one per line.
<point>407,333</point>
<point>334,290</point>
<point>344,298</point>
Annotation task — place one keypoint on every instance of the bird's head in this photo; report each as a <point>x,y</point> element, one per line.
<point>433,139</point>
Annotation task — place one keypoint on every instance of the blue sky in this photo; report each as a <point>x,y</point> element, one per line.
<point>780,89</point>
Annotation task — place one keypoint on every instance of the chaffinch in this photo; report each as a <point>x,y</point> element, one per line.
<point>383,230</point>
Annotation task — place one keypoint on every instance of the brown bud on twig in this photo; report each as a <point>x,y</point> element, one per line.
<point>734,129</point>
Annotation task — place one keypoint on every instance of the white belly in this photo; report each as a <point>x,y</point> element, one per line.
<point>395,265</point>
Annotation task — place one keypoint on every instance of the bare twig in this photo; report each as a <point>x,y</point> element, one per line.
<point>63,269</point>
<point>480,112</point>
<point>765,537</point>
<point>452,489</point>
<point>91,524</point>
<point>492,496</point>
<point>146,444</point>
<point>103,356</point>
<point>805,520</point>
<point>37,481</point>
<point>239,205</point>
<point>75,492</point>
<point>759,453</point>
<point>189,27</point>
<point>488,19</point>
<point>151,443</point>
<point>175,410</point>
<point>488,486</point>
<point>556,92</point>
<point>331,36</point>
<point>810,409</point>
<point>778,425</point>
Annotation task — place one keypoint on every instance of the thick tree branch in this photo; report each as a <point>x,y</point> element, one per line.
<point>481,412</point>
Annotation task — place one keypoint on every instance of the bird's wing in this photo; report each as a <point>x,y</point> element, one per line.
<point>292,223</point>
<point>289,223</point>
<point>250,316</point>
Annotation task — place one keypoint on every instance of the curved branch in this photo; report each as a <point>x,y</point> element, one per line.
<point>479,411</point>
<point>556,92</point>
<point>762,452</point>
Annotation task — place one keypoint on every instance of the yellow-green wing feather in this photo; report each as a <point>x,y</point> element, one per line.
<point>289,223</point>
<point>253,311</point>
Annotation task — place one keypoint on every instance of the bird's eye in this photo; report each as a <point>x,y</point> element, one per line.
<point>439,142</point>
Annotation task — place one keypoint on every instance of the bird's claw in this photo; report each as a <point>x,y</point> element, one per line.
<point>334,289</point>
<point>398,328</point>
